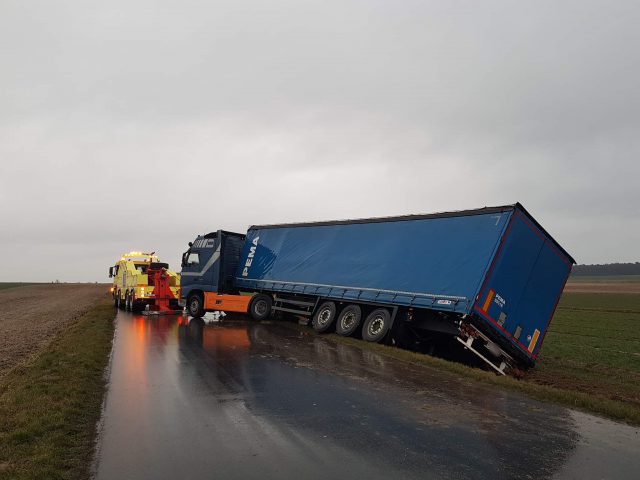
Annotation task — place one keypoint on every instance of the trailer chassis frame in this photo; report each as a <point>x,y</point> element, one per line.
<point>469,334</point>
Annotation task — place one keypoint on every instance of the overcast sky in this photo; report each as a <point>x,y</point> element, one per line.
<point>139,124</point>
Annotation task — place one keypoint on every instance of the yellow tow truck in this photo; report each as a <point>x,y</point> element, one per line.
<point>132,288</point>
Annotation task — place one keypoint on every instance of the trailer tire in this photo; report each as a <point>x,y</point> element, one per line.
<point>324,317</point>
<point>120,301</point>
<point>260,306</point>
<point>127,302</point>
<point>376,325</point>
<point>195,305</point>
<point>348,320</point>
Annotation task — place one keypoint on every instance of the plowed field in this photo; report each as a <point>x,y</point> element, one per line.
<point>31,316</point>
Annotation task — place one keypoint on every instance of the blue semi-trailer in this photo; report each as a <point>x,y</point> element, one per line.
<point>490,278</point>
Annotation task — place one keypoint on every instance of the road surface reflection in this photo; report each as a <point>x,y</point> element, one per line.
<point>235,399</point>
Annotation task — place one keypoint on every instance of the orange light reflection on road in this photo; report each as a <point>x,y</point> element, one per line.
<point>216,339</point>
<point>136,363</point>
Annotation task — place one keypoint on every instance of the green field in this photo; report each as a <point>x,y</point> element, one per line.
<point>604,279</point>
<point>593,346</point>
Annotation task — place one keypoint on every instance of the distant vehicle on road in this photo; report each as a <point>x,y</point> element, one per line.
<point>132,288</point>
<point>490,278</point>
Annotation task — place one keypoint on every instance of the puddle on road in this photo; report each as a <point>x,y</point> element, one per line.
<point>604,449</point>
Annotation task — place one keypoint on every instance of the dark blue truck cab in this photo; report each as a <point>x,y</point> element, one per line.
<point>490,277</point>
<point>208,273</point>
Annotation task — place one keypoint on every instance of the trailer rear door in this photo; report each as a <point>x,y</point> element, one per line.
<point>523,285</point>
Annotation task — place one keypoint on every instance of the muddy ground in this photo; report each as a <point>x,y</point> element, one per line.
<point>31,316</point>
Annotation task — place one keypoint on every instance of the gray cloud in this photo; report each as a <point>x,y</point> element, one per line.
<point>136,125</point>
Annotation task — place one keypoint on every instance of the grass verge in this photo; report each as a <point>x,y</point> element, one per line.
<point>49,407</point>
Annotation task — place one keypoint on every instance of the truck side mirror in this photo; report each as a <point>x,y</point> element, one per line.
<point>110,272</point>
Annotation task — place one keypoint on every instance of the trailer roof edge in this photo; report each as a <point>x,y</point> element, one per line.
<point>393,218</point>
<point>423,216</point>
<point>524,210</point>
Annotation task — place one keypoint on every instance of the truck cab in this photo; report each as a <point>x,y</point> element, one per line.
<point>208,269</point>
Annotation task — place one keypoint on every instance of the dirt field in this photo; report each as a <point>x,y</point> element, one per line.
<point>602,287</point>
<point>30,316</point>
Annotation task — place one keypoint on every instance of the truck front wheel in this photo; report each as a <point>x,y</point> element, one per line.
<point>132,299</point>
<point>260,306</point>
<point>348,320</point>
<point>195,305</point>
<point>376,325</point>
<point>127,302</point>
<point>324,317</point>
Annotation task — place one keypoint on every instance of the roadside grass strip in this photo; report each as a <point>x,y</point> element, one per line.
<point>49,407</point>
<point>588,402</point>
<point>590,360</point>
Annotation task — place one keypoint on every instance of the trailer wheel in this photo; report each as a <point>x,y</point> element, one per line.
<point>324,317</point>
<point>349,320</point>
<point>127,302</point>
<point>376,325</point>
<point>195,305</point>
<point>260,306</point>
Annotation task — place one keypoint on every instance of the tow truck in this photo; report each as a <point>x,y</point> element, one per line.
<point>142,282</point>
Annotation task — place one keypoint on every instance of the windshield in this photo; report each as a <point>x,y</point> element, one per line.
<point>142,267</point>
<point>190,259</point>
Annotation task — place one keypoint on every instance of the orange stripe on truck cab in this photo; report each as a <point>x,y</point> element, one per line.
<point>487,301</point>
<point>226,303</point>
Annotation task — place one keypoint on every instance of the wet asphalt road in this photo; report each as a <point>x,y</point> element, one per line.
<point>242,400</point>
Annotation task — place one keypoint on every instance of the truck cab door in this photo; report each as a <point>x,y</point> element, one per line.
<point>191,275</point>
<point>191,265</point>
<point>200,267</point>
